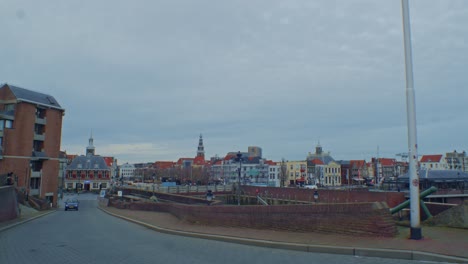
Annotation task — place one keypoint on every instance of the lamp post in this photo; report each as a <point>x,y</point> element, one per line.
<point>153,183</point>
<point>239,158</point>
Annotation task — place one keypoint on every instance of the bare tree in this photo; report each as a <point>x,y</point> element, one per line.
<point>284,171</point>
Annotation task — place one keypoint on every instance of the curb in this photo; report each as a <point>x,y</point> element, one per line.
<point>361,252</point>
<point>25,221</point>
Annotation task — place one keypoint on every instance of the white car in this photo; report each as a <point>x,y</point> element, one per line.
<point>311,187</point>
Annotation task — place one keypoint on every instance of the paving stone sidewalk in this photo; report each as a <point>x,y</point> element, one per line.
<point>439,240</point>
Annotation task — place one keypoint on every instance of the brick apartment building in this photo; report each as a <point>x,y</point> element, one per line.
<point>30,134</point>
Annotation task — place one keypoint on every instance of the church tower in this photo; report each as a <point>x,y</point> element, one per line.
<point>90,148</point>
<point>201,149</point>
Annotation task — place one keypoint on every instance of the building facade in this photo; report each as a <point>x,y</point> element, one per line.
<point>89,172</point>
<point>296,172</point>
<point>127,171</point>
<point>457,161</point>
<point>30,133</point>
<point>433,162</point>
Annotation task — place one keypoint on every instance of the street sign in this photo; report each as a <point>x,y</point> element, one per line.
<point>103,193</point>
<point>119,193</point>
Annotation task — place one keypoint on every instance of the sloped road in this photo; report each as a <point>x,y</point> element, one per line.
<point>91,236</point>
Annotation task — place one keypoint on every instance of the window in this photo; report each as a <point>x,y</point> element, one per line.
<point>70,185</point>
<point>95,185</point>
<point>8,123</point>
<point>38,145</point>
<point>40,113</point>
<point>104,185</point>
<point>35,183</point>
<point>9,107</point>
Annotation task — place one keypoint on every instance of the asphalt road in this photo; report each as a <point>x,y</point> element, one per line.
<point>91,236</point>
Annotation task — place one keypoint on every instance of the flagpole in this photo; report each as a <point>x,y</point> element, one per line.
<point>415,225</point>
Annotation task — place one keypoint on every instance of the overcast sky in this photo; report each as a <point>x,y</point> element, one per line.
<point>147,77</point>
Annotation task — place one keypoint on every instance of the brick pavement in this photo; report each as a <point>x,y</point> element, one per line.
<point>439,240</point>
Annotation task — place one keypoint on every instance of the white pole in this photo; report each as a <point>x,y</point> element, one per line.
<point>411,119</point>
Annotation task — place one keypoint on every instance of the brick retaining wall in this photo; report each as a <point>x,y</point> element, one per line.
<point>328,196</point>
<point>8,203</point>
<point>364,219</point>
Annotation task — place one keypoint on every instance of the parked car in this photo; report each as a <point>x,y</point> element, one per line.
<point>311,187</point>
<point>71,204</point>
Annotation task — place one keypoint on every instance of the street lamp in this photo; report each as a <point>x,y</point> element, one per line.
<point>239,158</point>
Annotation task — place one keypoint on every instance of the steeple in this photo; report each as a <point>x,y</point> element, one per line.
<point>90,148</point>
<point>201,149</point>
<point>318,149</point>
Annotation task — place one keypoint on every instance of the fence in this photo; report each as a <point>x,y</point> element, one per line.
<point>180,188</point>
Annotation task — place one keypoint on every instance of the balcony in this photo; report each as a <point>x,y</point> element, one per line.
<point>38,155</point>
<point>7,114</point>
<point>41,121</point>
<point>40,137</point>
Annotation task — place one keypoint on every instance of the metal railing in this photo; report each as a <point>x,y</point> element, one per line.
<point>181,188</point>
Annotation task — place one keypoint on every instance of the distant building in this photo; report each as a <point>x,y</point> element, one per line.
<point>331,174</point>
<point>30,133</point>
<point>312,160</point>
<point>127,171</point>
<point>90,172</point>
<point>254,171</point>
<point>457,161</point>
<point>433,162</point>
<point>255,152</point>
<point>296,172</point>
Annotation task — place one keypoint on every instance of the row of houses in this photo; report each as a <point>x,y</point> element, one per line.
<point>250,168</point>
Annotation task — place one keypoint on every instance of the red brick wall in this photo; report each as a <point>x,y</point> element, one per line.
<point>53,135</point>
<point>19,142</point>
<point>328,196</point>
<point>364,219</point>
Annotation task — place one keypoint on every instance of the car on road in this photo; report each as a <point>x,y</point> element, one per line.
<point>71,204</point>
<point>311,187</point>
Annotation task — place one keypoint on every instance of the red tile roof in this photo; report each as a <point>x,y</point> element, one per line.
<point>163,164</point>
<point>199,160</point>
<point>109,161</point>
<point>179,162</point>
<point>317,162</point>
<point>357,163</point>
<point>387,162</point>
<point>431,158</point>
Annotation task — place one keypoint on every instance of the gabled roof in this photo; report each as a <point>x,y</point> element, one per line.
<point>199,160</point>
<point>109,161</point>
<point>431,158</point>
<point>88,163</point>
<point>387,162</point>
<point>29,96</point>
